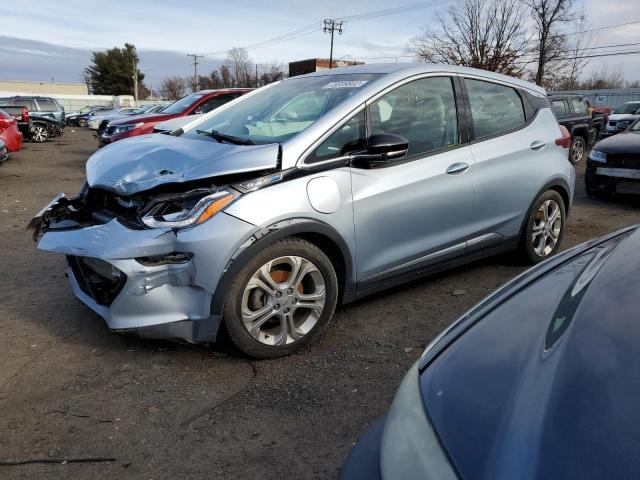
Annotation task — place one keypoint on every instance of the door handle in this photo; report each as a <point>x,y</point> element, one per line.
<point>458,167</point>
<point>537,145</point>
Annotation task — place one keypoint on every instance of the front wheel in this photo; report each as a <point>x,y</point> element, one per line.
<point>544,228</point>
<point>82,122</point>
<point>39,134</point>
<point>578,150</point>
<point>281,300</point>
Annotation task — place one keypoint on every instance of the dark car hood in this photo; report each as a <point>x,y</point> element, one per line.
<point>547,385</point>
<point>624,142</point>
<point>140,163</point>
<point>145,117</point>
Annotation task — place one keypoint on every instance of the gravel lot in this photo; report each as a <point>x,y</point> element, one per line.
<point>69,389</point>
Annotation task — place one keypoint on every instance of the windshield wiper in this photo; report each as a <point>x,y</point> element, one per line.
<point>223,137</point>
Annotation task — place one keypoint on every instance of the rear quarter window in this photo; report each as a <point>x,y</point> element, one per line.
<point>580,107</point>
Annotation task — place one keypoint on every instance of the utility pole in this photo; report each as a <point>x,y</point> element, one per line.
<point>256,75</point>
<point>135,81</point>
<point>332,26</point>
<point>195,68</point>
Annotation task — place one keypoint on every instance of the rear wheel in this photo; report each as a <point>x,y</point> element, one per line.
<point>544,229</point>
<point>39,133</point>
<point>282,300</point>
<point>578,150</point>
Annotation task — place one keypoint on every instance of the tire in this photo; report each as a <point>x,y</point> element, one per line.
<point>250,306</point>
<point>39,134</point>
<point>598,186</point>
<point>82,122</point>
<point>534,251</point>
<point>578,150</point>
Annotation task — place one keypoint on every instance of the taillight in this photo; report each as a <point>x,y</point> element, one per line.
<point>25,115</point>
<point>565,140</point>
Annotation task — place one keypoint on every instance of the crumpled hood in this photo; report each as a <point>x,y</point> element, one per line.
<point>144,162</point>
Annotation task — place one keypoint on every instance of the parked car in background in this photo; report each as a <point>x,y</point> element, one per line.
<point>175,123</point>
<point>9,132</point>
<point>614,163</point>
<point>193,104</point>
<point>325,187</point>
<point>37,105</point>
<point>99,120</point>
<point>538,381</point>
<point>600,117</point>
<point>4,153</point>
<point>79,118</point>
<point>125,112</point>
<point>622,117</point>
<point>34,127</point>
<point>574,113</point>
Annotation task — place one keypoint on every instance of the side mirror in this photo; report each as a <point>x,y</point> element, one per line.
<point>380,150</point>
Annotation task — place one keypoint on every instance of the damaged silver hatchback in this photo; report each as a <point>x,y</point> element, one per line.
<point>266,213</point>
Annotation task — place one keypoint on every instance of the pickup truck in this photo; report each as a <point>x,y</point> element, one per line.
<point>35,127</point>
<point>574,112</point>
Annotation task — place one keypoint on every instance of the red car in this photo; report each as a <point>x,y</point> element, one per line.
<point>9,132</point>
<point>200,102</point>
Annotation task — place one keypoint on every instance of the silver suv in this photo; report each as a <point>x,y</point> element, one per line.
<point>266,213</point>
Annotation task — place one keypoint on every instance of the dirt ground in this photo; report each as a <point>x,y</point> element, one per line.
<point>71,390</point>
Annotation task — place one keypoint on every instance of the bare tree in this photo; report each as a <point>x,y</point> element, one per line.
<point>604,78</point>
<point>580,40</point>
<point>550,50</point>
<point>239,64</point>
<point>272,73</point>
<point>172,88</point>
<point>486,34</point>
<point>225,76</point>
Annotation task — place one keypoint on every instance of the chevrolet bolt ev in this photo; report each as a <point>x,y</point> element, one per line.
<point>266,213</point>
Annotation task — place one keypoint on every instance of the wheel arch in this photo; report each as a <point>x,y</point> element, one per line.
<point>559,185</point>
<point>314,231</point>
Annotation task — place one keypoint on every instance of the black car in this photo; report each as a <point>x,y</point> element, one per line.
<point>614,163</point>
<point>574,113</point>
<point>539,381</point>
<point>4,153</point>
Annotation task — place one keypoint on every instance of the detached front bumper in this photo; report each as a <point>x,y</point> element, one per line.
<point>155,282</point>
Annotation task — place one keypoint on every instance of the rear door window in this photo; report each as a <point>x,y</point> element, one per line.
<point>560,108</point>
<point>495,109</point>
<point>580,107</point>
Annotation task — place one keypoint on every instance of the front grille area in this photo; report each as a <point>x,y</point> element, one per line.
<point>623,160</point>
<point>98,279</point>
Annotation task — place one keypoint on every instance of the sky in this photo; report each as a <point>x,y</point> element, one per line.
<point>41,40</point>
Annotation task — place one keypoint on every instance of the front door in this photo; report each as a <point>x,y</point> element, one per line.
<point>417,210</point>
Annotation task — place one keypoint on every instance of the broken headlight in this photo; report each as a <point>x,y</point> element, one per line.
<point>188,211</point>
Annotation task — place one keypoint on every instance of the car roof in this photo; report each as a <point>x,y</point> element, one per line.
<point>418,68</point>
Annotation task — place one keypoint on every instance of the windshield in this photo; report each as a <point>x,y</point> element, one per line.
<point>628,108</point>
<point>181,105</point>
<point>277,113</point>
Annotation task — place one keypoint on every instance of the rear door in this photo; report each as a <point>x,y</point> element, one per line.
<point>418,210</point>
<point>510,154</point>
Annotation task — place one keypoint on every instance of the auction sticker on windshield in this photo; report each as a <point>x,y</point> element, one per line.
<point>346,84</point>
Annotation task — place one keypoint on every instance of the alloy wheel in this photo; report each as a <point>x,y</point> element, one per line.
<point>547,225</point>
<point>577,151</point>
<point>283,300</point>
<point>40,134</point>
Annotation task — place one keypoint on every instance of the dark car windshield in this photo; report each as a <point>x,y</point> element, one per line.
<point>281,111</point>
<point>628,108</point>
<point>181,105</point>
